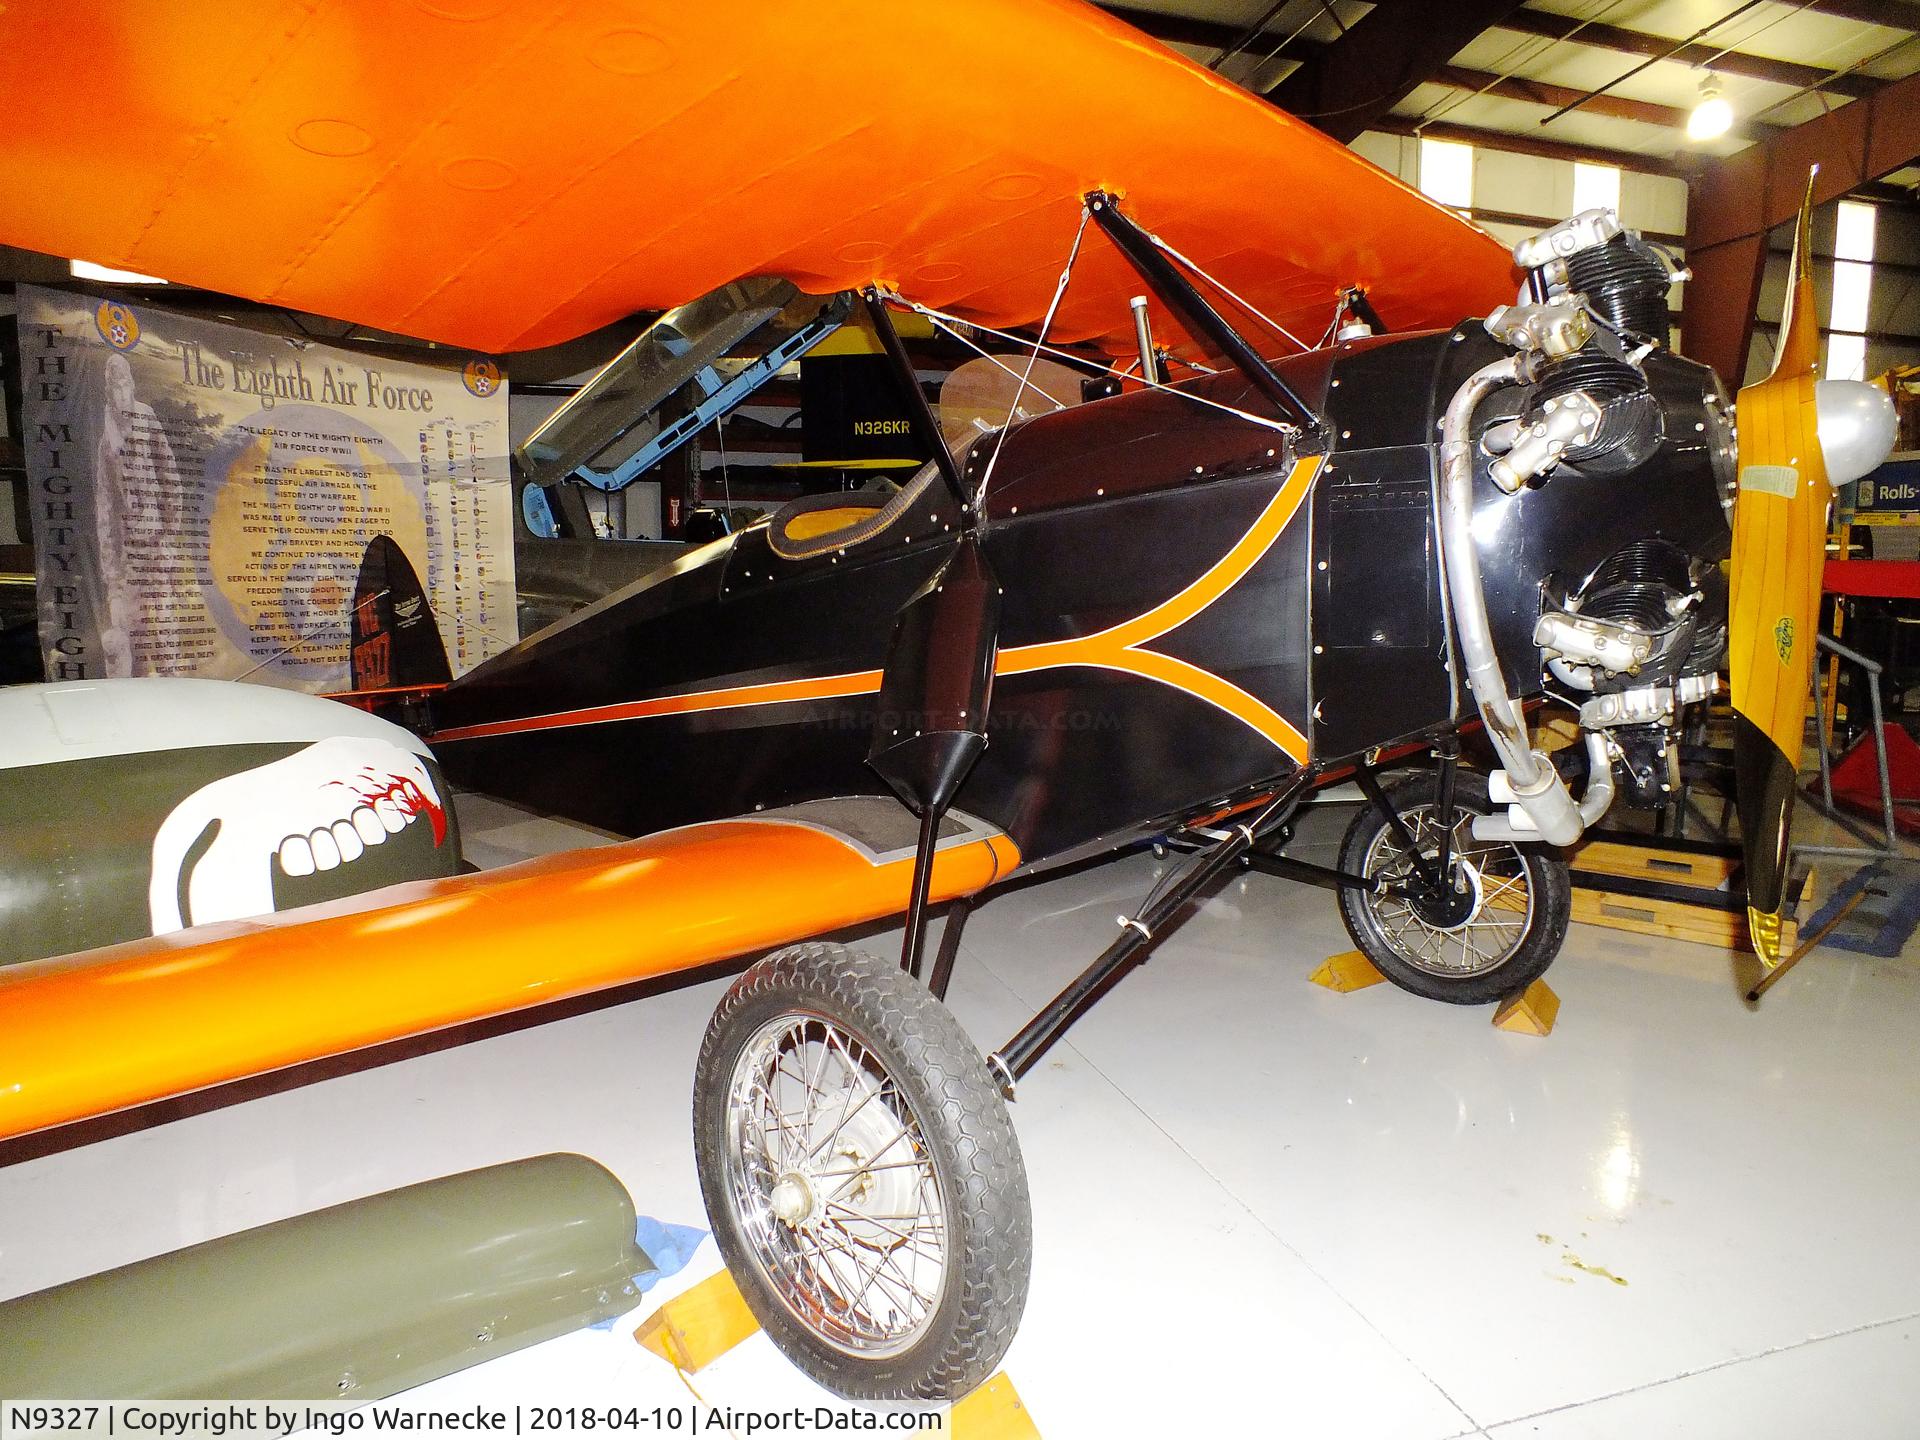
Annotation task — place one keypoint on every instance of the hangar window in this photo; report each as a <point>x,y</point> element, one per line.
<point>1846,357</point>
<point>1446,173</point>
<point>1596,187</point>
<point>1853,239</point>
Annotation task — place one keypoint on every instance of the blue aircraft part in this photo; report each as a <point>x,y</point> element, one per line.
<point>718,397</point>
<point>537,511</point>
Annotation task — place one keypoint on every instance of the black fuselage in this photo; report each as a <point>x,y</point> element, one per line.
<point>1303,581</point>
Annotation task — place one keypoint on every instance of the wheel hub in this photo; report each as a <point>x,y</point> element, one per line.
<point>853,1182</point>
<point>869,1173</point>
<point>792,1200</point>
<point>1452,906</point>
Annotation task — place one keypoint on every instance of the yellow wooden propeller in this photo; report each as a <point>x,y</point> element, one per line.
<point>1779,553</point>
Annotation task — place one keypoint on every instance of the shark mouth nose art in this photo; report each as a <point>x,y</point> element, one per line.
<point>385,809</point>
<point>316,810</point>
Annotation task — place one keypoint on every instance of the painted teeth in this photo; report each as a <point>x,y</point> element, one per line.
<point>344,841</point>
<point>296,855</point>
<point>326,850</point>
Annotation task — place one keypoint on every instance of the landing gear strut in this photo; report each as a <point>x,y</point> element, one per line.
<point>1020,1054</point>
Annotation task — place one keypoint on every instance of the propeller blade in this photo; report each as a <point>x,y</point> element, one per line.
<point>1779,553</point>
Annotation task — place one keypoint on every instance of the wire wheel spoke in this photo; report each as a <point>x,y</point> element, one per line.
<point>1495,926</point>
<point>835,1186</point>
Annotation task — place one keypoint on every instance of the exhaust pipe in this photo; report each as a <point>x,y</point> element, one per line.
<point>1536,788</point>
<point>1517,823</point>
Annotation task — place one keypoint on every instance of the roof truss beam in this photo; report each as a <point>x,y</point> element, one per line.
<point>1541,92</point>
<point>1894,14</point>
<point>1177,29</point>
<point>1209,34</point>
<point>1734,204</point>
<point>1392,50</point>
<point>1731,62</point>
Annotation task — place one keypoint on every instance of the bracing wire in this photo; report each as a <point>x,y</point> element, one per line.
<point>1040,340</point>
<point>954,324</point>
<point>1194,365</point>
<point>1244,304</point>
<point>1002,364</point>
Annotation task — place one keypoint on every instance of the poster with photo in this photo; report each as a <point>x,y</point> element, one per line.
<point>207,500</point>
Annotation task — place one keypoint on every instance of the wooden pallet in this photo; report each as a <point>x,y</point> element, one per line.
<point>1706,868</point>
<point>1681,889</point>
<point>1681,920</point>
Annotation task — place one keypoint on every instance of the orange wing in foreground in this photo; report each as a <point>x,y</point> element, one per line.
<point>86,1034</point>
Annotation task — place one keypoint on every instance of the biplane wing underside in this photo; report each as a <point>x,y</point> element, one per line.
<point>505,176</point>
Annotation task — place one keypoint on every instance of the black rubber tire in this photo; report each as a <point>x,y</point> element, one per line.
<point>1547,879</point>
<point>968,1134</point>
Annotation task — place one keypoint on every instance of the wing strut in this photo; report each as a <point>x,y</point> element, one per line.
<point>1191,307</point>
<point>919,413</point>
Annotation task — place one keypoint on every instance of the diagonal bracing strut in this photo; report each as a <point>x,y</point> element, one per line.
<point>1020,1054</point>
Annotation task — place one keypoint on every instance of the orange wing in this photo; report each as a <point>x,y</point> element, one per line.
<point>502,174</point>
<point>87,1034</point>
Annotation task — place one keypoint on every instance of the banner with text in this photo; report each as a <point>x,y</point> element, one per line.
<point>211,501</point>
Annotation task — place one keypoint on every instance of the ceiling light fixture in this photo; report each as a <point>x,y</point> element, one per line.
<point>1712,117</point>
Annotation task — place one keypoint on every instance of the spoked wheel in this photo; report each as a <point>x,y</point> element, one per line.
<point>862,1176</point>
<point>1495,927</point>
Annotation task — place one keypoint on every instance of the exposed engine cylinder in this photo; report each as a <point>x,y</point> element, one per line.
<point>1636,640</point>
<point>1618,282</point>
<point>1594,304</point>
<point>1630,428</point>
<point>1659,613</point>
<point>1625,281</point>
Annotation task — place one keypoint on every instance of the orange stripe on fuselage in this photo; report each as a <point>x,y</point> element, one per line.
<point>1118,648</point>
<point>778,692</point>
